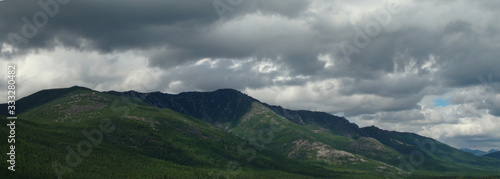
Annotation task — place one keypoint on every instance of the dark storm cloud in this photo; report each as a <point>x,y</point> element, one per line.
<point>289,50</point>
<point>185,28</point>
<point>461,62</point>
<point>447,53</point>
<point>111,25</point>
<point>182,26</point>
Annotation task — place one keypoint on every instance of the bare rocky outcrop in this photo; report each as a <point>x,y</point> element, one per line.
<point>320,151</point>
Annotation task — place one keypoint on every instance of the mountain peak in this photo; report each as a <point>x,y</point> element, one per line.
<point>79,87</point>
<point>228,90</point>
<point>41,97</point>
<point>373,127</point>
<point>218,106</point>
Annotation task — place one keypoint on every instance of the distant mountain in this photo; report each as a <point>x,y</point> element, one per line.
<point>475,152</point>
<point>494,155</point>
<point>479,152</point>
<point>211,134</point>
<point>493,151</point>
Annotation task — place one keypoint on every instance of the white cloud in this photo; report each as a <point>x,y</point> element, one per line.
<point>64,68</point>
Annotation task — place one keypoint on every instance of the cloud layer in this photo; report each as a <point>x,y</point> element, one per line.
<point>378,63</point>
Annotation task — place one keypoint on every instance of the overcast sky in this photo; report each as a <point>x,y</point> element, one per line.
<point>429,67</point>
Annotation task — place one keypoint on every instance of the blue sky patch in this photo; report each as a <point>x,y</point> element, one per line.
<point>441,102</point>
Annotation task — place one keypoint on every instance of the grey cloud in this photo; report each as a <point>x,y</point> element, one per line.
<point>221,74</point>
<point>173,35</point>
<point>484,142</point>
<point>387,87</point>
<point>292,8</point>
<point>397,117</point>
<point>184,29</point>
<point>114,25</point>
<point>390,105</point>
<point>492,103</point>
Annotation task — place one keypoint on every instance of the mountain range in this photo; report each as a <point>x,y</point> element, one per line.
<point>219,134</point>
<point>478,152</point>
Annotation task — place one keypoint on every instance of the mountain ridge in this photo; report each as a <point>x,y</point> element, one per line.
<point>443,158</point>
<point>479,152</point>
<point>146,142</point>
<point>317,138</point>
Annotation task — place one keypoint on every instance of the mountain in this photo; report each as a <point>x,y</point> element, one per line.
<point>493,155</point>
<point>493,151</point>
<point>475,152</point>
<point>247,118</point>
<point>479,152</point>
<point>334,132</point>
<point>217,107</point>
<point>321,120</point>
<point>227,105</point>
<point>65,137</point>
<point>39,98</point>
<point>224,133</point>
<point>437,156</point>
